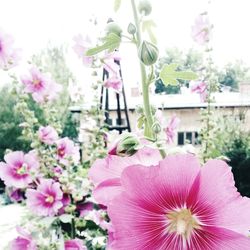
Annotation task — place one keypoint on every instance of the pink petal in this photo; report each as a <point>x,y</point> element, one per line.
<point>105,192</point>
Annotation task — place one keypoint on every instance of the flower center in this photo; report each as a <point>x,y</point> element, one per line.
<point>61,152</point>
<point>49,199</point>
<point>182,222</point>
<point>36,82</point>
<point>22,169</point>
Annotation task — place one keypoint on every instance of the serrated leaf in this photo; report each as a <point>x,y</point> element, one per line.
<point>111,42</point>
<point>169,75</point>
<point>66,218</point>
<point>147,26</point>
<point>117,5</point>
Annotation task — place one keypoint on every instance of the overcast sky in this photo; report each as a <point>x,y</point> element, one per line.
<point>35,22</point>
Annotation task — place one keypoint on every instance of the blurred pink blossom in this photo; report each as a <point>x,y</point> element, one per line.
<point>47,135</point>
<point>110,64</point>
<point>9,56</point>
<point>74,244</point>
<point>81,46</point>
<point>200,88</point>
<point>46,200</point>
<point>40,86</point>
<point>66,149</point>
<point>201,31</point>
<point>170,130</point>
<point>23,242</point>
<point>17,169</point>
<point>179,205</point>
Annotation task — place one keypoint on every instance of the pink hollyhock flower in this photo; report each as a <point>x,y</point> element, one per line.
<point>200,88</point>
<point>18,169</point>
<point>23,242</point>
<point>81,46</point>
<point>65,203</point>
<point>110,64</point>
<point>9,56</point>
<point>75,244</point>
<point>115,83</point>
<point>42,87</point>
<point>105,173</point>
<point>67,149</point>
<point>85,208</point>
<point>170,129</point>
<point>47,135</point>
<point>15,194</point>
<point>180,205</point>
<point>201,31</point>
<point>46,200</point>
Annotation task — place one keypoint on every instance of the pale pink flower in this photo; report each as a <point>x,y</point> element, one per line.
<point>201,31</point>
<point>105,173</point>
<point>115,83</point>
<point>74,244</point>
<point>66,149</point>
<point>170,130</point>
<point>110,64</point>
<point>23,242</point>
<point>18,168</point>
<point>42,87</point>
<point>180,205</point>
<point>46,200</point>
<point>200,88</point>
<point>9,56</point>
<point>47,135</point>
<point>81,46</point>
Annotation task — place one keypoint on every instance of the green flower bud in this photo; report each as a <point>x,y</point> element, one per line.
<point>131,29</point>
<point>113,27</point>
<point>145,7</point>
<point>148,53</point>
<point>70,208</point>
<point>127,146</point>
<point>156,127</point>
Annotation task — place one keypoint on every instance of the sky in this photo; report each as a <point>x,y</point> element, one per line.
<point>35,22</point>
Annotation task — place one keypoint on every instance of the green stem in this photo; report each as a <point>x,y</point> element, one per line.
<point>73,229</point>
<point>145,87</point>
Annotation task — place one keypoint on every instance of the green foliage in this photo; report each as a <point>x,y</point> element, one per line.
<point>169,74</point>
<point>10,132</point>
<point>233,74</point>
<point>111,42</point>
<point>192,60</point>
<point>117,5</point>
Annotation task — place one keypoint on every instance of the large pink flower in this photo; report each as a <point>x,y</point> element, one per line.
<point>18,169</point>
<point>8,55</point>
<point>66,149</point>
<point>201,31</point>
<point>180,205</point>
<point>47,135</point>
<point>171,127</point>
<point>42,87</point>
<point>81,46</point>
<point>105,173</point>
<point>46,200</point>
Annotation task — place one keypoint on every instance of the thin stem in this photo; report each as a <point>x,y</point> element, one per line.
<point>145,87</point>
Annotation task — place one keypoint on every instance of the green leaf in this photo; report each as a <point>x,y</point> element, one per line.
<point>147,26</point>
<point>66,218</point>
<point>169,75</point>
<point>111,42</point>
<point>117,5</point>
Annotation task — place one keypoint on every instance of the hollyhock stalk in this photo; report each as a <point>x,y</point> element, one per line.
<point>148,131</point>
<point>145,86</point>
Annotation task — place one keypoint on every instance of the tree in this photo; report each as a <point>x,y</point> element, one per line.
<point>232,75</point>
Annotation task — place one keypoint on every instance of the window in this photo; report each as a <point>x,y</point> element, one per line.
<point>188,137</point>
